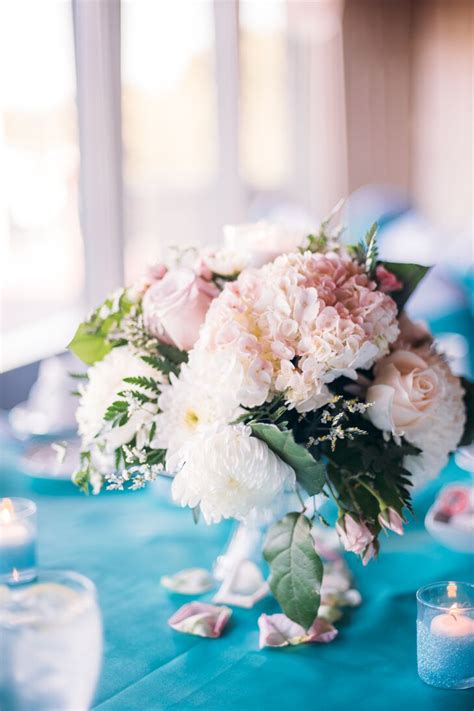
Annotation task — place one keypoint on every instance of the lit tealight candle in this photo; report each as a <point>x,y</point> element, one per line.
<point>452,624</point>
<point>17,540</point>
<point>445,635</point>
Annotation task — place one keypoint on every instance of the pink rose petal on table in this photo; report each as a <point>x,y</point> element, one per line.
<point>201,619</point>
<point>191,581</point>
<point>279,631</point>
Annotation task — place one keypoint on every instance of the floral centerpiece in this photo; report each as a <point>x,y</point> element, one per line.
<point>276,362</point>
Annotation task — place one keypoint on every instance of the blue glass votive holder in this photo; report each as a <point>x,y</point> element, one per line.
<point>445,635</point>
<point>17,541</point>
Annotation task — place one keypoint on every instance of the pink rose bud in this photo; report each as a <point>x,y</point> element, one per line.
<point>369,553</point>
<point>175,307</point>
<point>391,520</point>
<point>386,280</point>
<point>355,535</point>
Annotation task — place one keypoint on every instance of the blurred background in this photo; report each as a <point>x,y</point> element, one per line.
<point>129,126</point>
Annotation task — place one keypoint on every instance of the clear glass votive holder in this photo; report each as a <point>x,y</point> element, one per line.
<point>50,643</point>
<point>17,541</point>
<point>445,635</point>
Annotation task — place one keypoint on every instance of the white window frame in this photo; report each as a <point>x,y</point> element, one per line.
<point>97,52</point>
<point>97,44</point>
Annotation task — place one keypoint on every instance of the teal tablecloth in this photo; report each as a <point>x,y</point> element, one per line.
<point>125,542</point>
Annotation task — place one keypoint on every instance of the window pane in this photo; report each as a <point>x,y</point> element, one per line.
<point>169,126</point>
<point>264,135</point>
<point>39,227</point>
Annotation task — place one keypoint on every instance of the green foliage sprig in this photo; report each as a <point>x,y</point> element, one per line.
<point>366,251</point>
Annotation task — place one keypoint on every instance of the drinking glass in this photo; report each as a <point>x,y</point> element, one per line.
<point>50,643</point>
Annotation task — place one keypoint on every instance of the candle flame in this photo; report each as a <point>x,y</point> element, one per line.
<point>452,590</point>
<point>6,511</point>
<point>15,575</point>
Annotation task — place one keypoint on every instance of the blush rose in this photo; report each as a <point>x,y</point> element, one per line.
<point>174,308</point>
<point>405,390</point>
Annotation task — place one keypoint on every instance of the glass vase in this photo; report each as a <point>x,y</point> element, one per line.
<point>241,569</point>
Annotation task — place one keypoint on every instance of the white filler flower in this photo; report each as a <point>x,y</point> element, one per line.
<point>228,473</point>
<point>105,382</point>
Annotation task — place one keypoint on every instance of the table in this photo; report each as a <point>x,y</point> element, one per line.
<point>125,542</point>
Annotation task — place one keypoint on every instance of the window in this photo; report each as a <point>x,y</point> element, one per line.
<point>264,108</point>
<point>183,115</point>
<point>170,133</point>
<point>40,238</point>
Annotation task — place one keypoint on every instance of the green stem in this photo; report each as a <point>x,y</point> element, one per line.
<point>372,491</point>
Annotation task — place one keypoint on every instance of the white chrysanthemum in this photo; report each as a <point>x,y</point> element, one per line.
<point>105,382</point>
<point>229,474</point>
<point>203,394</point>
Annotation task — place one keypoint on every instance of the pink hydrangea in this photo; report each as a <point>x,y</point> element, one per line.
<point>297,324</point>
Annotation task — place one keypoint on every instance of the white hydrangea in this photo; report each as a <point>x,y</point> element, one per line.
<point>104,383</point>
<point>229,474</point>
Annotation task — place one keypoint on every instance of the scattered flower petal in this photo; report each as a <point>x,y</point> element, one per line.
<point>200,619</point>
<point>279,631</point>
<point>192,581</point>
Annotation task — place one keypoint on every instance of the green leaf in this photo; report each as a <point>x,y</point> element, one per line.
<point>156,456</point>
<point>137,395</point>
<point>296,568</point>
<point>468,435</point>
<point>309,471</point>
<point>143,382</point>
<point>164,366</point>
<point>410,275</point>
<point>117,413</point>
<point>90,342</point>
<point>81,480</point>
<point>90,346</point>
<point>173,354</point>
